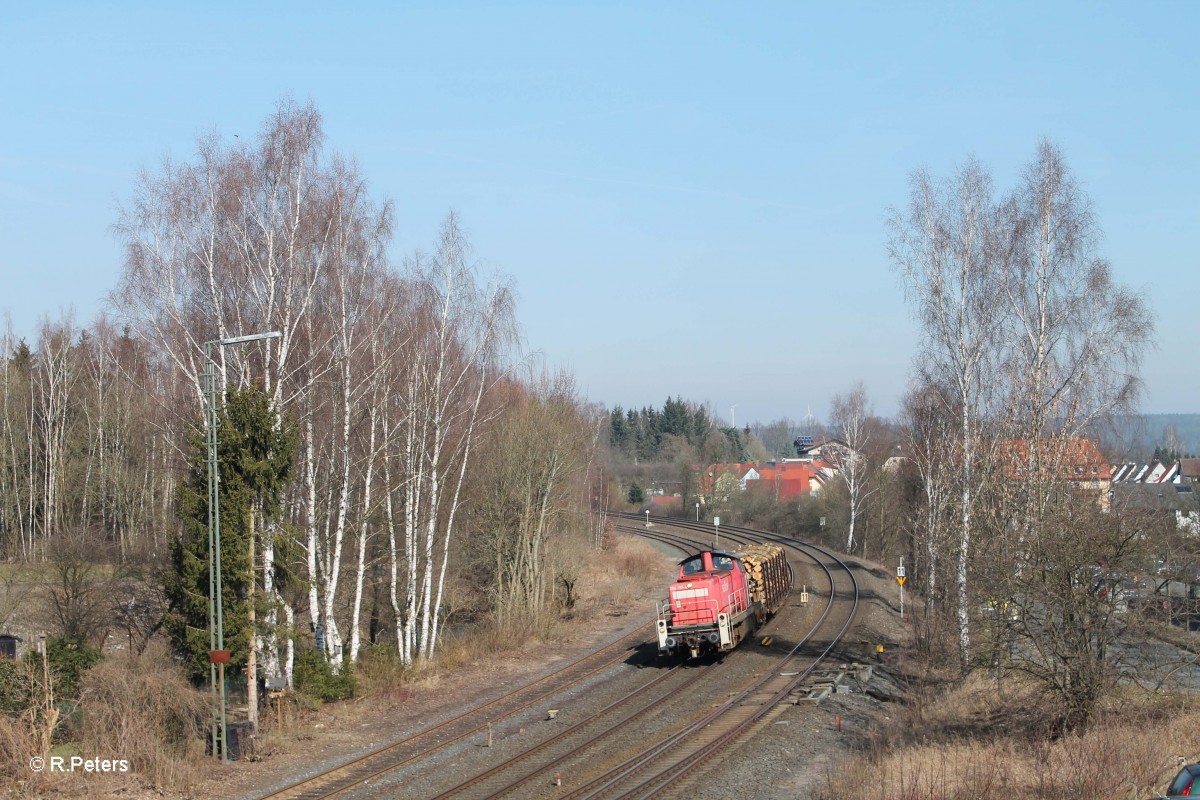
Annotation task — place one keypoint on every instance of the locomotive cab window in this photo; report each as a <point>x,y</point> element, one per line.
<point>722,562</point>
<point>693,565</point>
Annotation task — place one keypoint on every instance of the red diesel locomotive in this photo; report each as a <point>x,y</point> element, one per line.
<point>721,597</point>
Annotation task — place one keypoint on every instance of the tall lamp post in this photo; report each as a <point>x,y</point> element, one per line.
<point>218,656</point>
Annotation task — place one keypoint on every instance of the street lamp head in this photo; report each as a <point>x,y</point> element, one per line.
<point>254,337</point>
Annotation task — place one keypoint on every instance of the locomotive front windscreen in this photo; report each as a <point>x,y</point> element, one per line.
<point>693,565</point>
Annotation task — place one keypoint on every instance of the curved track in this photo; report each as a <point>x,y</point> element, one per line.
<point>655,770</point>
<point>517,773</point>
<point>650,771</point>
<point>473,722</point>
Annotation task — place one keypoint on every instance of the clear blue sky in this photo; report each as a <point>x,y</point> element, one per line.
<point>690,197</point>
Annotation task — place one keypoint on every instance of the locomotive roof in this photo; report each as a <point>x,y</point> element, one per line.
<point>714,552</point>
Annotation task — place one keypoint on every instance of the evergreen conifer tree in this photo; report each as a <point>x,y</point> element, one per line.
<point>255,454</point>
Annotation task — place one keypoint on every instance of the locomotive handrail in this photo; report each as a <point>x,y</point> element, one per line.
<point>734,606</point>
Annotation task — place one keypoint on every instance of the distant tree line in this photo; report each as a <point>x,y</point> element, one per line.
<point>642,433</point>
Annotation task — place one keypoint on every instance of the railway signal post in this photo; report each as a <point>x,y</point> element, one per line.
<point>900,579</point>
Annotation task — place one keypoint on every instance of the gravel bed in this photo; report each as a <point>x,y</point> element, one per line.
<point>791,755</point>
<point>788,757</point>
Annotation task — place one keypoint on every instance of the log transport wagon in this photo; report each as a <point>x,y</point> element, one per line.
<point>722,597</point>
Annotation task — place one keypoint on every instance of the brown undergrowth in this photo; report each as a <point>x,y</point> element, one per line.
<point>980,741</point>
<point>619,581</point>
<point>140,711</point>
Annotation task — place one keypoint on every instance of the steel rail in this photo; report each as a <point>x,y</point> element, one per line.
<point>578,727</point>
<point>354,772</point>
<point>470,786</point>
<point>733,718</point>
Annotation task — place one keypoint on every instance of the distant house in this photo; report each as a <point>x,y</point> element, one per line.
<point>1077,461</point>
<point>721,481</point>
<point>827,449</point>
<point>8,646</point>
<point>1177,500</point>
<point>666,497</point>
<point>666,505</point>
<point>787,480</point>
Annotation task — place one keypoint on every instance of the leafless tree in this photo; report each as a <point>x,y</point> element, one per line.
<point>849,415</point>
<point>79,587</point>
<point>467,333</point>
<point>531,486</point>
<point>17,487</point>
<point>1029,344</point>
<point>931,430</point>
<point>1073,338</point>
<point>945,246</point>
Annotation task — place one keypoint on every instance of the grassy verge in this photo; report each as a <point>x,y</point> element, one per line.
<point>981,741</point>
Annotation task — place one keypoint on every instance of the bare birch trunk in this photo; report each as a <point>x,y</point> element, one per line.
<point>333,639</point>
<point>363,534</point>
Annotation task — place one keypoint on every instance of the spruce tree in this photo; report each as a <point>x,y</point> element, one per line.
<point>255,455</point>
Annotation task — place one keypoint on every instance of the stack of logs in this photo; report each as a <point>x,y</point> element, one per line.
<point>767,573</point>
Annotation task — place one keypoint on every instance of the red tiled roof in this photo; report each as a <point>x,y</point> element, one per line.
<point>786,481</point>
<point>1079,459</point>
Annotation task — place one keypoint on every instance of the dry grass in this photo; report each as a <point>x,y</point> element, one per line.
<point>144,710</point>
<point>623,579</point>
<point>20,741</point>
<point>469,646</point>
<point>979,743</point>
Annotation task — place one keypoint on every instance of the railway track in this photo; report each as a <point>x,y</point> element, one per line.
<point>650,771</point>
<point>474,722</point>
<point>656,770</point>
<point>517,773</point>
<point>668,760</point>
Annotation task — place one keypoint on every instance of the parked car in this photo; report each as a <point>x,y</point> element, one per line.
<point>1186,783</point>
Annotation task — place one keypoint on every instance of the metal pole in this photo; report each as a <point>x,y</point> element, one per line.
<point>210,441</point>
<point>214,521</point>
<point>216,635</point>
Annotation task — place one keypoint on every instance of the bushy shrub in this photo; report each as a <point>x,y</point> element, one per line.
<point>148,710</point>
<point>380,668</point>
<point>68,659</point>
<point>14,687</point>
<point>316,677</point>
<point>19,741</point>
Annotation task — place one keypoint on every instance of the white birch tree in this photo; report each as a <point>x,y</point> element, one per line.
<point>849,416</point>
<point>944,247</point>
